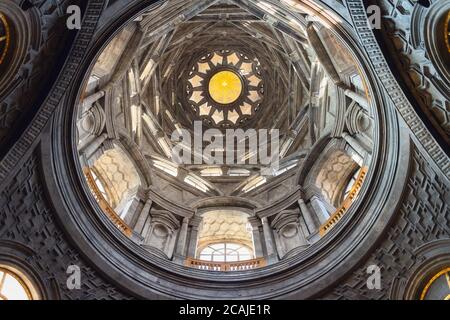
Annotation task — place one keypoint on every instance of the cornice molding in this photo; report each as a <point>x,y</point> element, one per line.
<point>374,53</point>
<point>75,57</point>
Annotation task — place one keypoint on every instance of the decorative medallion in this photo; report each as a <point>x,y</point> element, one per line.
<point>225,88</point>
<point>5,37</point>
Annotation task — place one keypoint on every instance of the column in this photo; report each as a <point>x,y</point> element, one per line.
<point>134,209</point>
<point>304,231</point>
<point>193,237</point>
<point>182,238</point>
<point>110,110</point>
<point>145,213</point>
<point>138,133</point>
<point>301,235</point>
<point>309,220</point>
<point>257,244</point>
<point>322,54</point>
<point>268,237</point>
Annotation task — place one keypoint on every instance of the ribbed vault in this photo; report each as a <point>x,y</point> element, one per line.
<point>252,67</point>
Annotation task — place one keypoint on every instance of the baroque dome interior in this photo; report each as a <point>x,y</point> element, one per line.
<point>225,149</point>
<point>223,66</point>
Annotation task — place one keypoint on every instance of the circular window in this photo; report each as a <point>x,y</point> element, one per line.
<point>5,37</point>
<point>438,287</point>
<point>15,286</point>
<point>447,31</point>
<point>15,39</point>
<point>225,87</point>
<point>437,38</point>
<point>443,37</point>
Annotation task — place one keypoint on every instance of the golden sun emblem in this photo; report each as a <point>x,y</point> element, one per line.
<point>225,87</point>
<point>4,37</point>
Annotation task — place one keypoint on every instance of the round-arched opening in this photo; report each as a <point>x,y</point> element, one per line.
<point>15,35</point>
<point>5,37</point>
<point>15,285</point>
<point>226,252</point>
<point>437,37</point>
<point>225,87</point>
<point>438,286</point>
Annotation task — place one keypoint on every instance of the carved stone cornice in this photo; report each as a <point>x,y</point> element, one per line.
<point>175,208</point>
<point>225,201</point>
<point>144,275</point>
<point>392,88</point>
<point>82,41</point>
<point>280,204</point>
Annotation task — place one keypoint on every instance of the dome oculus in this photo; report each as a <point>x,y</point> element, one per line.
<point>225,87</point>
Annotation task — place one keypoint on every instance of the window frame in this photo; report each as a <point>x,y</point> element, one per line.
<point>224,244</point>
<point>26,283</point>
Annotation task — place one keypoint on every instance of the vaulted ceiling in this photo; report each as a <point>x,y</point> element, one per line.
<point>179,63</point>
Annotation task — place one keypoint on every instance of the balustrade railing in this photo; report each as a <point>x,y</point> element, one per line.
<point>104,205</point>
<point>225,266</point>
<point>339,213</point>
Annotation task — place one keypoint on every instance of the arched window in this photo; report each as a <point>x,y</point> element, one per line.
<point>447,31</point>
<point>14,286</point>
<point>226,252</point>
<point>225,236</point>
<point>5,37</point>
<point>350,184</point>
<point>438,286</point>
<point>100,185</point>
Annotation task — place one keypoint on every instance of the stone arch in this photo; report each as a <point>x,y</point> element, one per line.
<point>433,258</point>
<point>19,37</point>
<point>14,258</point>
<point>224,226</point>
<point>331,172</point>
<point>334,174</point>
<point>179,276</point>
<point>118,175</point>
